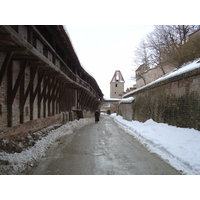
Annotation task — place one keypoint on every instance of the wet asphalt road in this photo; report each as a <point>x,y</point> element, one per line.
<point>100,149</point>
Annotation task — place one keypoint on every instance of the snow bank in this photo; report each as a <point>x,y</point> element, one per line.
<point>20,161</point>
<point>180,147</point>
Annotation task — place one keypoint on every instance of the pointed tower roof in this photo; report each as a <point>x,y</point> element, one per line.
<point>117,77</point>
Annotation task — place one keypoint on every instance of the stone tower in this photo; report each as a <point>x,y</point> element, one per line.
<point>117,85</point>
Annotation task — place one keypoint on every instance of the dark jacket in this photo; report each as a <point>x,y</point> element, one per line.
<point>96,114</point>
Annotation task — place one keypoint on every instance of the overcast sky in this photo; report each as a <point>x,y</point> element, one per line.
<point>103,49</point>
<point>104,33</point>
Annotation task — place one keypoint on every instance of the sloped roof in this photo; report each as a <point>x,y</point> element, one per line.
<point>117,77</point>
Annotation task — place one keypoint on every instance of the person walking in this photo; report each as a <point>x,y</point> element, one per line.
<point>96,115</point>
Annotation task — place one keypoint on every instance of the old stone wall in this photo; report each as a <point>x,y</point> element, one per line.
<point>126,111</point>
<point>152,74</point>
<point>175,101</point>
<point>116,89</point>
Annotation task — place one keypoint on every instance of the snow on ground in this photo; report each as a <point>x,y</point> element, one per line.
<point>21,161</point>
<point>180,147</point>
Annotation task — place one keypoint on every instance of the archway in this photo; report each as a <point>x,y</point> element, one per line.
<point>109,107</point>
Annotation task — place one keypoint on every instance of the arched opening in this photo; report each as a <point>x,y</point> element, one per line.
<point>108,107</point>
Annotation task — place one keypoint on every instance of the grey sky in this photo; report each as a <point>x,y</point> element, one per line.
<point>102,49</point>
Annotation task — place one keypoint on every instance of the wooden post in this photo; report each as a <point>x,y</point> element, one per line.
<point>9,92</point>
<point>33,71</point>
<point>21,101</point>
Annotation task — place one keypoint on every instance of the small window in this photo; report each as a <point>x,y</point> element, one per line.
<point>115,85</point>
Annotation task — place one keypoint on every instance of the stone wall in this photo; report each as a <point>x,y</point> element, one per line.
<point>116,89</point>
<point>152,74</point>
<point>126,111</point>
<point>175,101</point>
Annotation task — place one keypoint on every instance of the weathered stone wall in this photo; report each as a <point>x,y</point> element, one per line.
<point>175,101</point>
<point>153,74</point>
<point>116,89</point>
<point>126,111</point>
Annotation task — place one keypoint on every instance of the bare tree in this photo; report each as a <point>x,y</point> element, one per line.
<point>157,45</point>
<point>142,54</point>
<point>166,44</point>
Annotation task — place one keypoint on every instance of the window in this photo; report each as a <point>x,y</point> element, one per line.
<point>115,85</point>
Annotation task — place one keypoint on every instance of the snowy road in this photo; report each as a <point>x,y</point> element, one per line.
<point>101,148</point>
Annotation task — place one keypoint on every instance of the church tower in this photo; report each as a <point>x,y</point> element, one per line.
<point>117,85</point>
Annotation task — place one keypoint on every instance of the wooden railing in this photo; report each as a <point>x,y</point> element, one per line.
<point>35,38</point>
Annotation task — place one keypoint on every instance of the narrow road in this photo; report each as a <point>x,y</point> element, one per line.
<point>101,148</point>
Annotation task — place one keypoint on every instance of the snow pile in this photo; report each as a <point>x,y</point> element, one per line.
<point>18,162</point>
<point>185,68</point>
<point>127,100</point>
<point>180,147</point>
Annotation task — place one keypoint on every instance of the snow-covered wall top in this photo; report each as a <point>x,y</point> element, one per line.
<point>184,69</point>
<point>127,100</point>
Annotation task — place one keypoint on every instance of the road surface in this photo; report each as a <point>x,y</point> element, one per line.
<point>100,149</point>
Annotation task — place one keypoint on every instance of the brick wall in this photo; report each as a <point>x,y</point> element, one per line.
<point>30,126</point>
<point>175,101</point>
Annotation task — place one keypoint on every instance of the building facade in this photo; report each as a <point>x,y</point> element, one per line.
<point>117,85</point>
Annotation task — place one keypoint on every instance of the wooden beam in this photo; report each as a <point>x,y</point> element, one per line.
<point>31,81</point>
<point>26,57</point>
<point>5,36</point>
<point>17,83</point>
<point>6,62</point>
<point>38,91</point>
<point>50,89</point>
<point>21,101</point>
<point>33,71</point>
<point>14,49</point>
<point>55,99</point>
<point>9,92</point>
